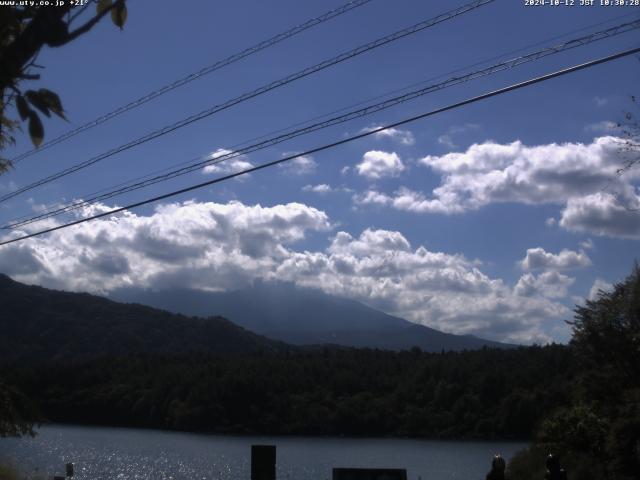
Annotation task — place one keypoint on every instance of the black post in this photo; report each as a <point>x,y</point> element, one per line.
<point>263,462</point>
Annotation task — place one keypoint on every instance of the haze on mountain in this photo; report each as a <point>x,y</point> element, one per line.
<point>303,316</point>
<point>41,324</point>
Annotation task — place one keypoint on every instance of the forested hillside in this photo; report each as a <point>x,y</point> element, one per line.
<point>38,324</point>
<point>482,394</point>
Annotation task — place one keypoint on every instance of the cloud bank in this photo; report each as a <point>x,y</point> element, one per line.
<point>581,178</point>
<point>217,246</point>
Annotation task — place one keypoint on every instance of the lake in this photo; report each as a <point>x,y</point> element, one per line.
<point>122,453</point>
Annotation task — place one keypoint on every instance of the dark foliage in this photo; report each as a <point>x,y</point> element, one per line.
<point>18,415</point>
<point>480,394</point>
<point>25,28</point>
<point>599,432</point>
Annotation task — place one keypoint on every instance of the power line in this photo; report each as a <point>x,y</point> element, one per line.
<point>195,75</point>
<point>259,91</point>
<point>199,163</point>
<point>352,138</point>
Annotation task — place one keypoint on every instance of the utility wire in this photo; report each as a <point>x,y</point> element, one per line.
<point>89,201</point>
<point>195,75</point>
<point>508,64</point>
<point>352,138</point>
<point>259,91</point>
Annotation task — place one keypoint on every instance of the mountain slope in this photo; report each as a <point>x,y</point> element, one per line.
<point>37,323</point>
<point>303,316</point>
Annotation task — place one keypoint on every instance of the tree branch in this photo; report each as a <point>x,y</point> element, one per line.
<point>91,23</point>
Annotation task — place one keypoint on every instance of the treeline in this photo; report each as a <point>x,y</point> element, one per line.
<point>598,433</point>
<point>489,393</point>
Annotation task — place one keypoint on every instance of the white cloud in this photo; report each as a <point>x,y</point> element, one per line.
<point>465,127</point>
<point>603,214</point>
<point>539,259</point>
<point>404,199</point>
<point>605,126</point>
<point>376,164</point>
<point>447,141</point>
<point>587,244</point>
<point>223,246</point>
<point>551,222</point>
<point>598,285</point>
<point>202,245</point>
<point>553,173</point>
<point>226,166</point>
<point>546,284</point>
<point>303,165</point>
<point>568,174</point>
<point>320,188</point>
<point>372,197</point>
<point>600,101</point>
<point>404,137</point>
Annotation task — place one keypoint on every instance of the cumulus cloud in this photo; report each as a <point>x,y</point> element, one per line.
<point>404,199</point>
<point>539,259</point>
<point>377,164</point>
<point>603,214</point>
<point>226,166</point>
<point>553,173</point>
<point>372,197</point>
<point>446,139</point>
<point>216,246</point>
<point>587,244</point>
<point>323,188</point>
<point>320,188</point>
<point>303,165</point>
<point>204,245</point>
<point>404,137</point>
<point>599,285</point>
<point>571,175</point>
<point>547,284</point>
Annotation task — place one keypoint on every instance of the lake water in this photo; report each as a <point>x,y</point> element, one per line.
<point>122,454</point>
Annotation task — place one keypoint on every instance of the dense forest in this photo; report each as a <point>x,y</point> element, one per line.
<point>598,432</point>
<point>488,393</point>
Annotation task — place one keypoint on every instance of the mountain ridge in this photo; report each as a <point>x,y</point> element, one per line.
<point>303,316</point>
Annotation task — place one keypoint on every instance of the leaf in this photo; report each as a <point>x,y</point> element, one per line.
<point>52,100</point>
<point>119,15</point>
<point>5,165</point>
<point>35,98</point>
<point>36,130</point>
<point>102,6</point>
<point>23,108</point>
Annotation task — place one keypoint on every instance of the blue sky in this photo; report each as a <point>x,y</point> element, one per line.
<point>488,219</point>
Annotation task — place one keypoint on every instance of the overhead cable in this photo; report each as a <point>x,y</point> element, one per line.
<point>354,114</point>
<point>195,75</point>
<point>349,139</point>
<point>254,93</point>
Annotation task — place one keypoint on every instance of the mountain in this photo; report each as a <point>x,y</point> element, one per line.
<point>38,323</point>
<point>304,316</point>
